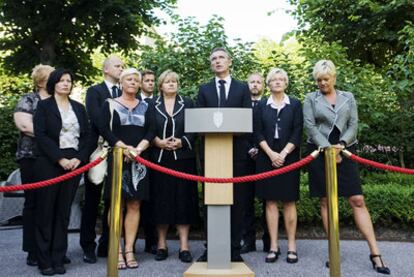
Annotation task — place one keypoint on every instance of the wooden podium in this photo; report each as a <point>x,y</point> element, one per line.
<point>218,125</point>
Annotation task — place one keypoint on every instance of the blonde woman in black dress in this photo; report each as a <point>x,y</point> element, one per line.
<point>130,130</point>
<point>175,200</point>
<point>278,130</point>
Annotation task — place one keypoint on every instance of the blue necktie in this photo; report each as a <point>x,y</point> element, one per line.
<point>222,100</point>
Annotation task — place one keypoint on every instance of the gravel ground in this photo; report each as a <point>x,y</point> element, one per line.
<point>312,257</point>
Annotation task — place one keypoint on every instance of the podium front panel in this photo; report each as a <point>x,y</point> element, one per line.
<point>219,120</point>
<point>218,163</point>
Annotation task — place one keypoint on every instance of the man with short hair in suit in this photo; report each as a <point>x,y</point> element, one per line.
<point>151,240</point>
<point>147,84</point>
<point>225,91</point>
<point>256,85</point>
<point>95,97</point>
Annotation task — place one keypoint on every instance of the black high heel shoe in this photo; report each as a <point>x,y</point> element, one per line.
<point>380,269</point>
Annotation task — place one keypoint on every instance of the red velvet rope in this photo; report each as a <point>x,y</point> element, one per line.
<point>378,165</point>
<point>53,181</point>
<point>242,179</point>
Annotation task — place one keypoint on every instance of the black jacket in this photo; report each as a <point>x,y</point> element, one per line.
<point>47,124</point>
<point>159,126</point>
<point>95,97</point>
<point>289,122</point>
<point>238,97</point>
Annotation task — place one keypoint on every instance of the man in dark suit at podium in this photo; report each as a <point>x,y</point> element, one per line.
<point>95,97</point>
<point>224,91</point>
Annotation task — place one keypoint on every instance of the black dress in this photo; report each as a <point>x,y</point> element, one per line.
<point>349,183</point>
<point>130,127</point>
<point>289,122</point>
<point>175,200</point>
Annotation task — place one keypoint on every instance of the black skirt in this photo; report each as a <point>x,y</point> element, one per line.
<point>175,201</point>
<point>283,187</point>
<point>138,190</point>
<point>349,183</point>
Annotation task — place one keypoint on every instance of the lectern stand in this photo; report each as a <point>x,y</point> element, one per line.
<point>218,125</point>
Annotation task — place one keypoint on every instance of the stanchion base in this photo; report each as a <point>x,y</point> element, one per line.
<point>236,270</point>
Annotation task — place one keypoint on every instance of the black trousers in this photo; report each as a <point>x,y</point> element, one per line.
<point>90,208</point>
<point>52,213</point>
<point>249,227</point>
<point>240,192</point>
<point>27,176</point>
<point>150,230</point>
<point>249,222</point>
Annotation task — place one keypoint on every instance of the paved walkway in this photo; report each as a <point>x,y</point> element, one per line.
<point>312,257</point>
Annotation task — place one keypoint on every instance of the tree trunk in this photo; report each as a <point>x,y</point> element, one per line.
<point>47,53</point>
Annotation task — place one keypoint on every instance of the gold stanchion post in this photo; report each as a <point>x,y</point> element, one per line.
<point>115,213</point>
<point>333,216</point>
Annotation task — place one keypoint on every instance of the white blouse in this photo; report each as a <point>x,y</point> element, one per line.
<point>70,133</point>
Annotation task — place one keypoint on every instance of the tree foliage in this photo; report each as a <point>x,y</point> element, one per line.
<point>65,33</point>
<point>188,50</point>
<point>367,28</point>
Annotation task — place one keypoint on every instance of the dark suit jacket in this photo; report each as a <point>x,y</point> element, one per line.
<point>95,97</point>
<point>159,125</point>
<point>238,97</point>
<point>289,122</point>
<point>47,124</point>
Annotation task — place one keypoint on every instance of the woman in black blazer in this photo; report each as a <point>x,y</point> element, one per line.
<point>62,131</point>
<point>175,200</point>
<point>278,131</point>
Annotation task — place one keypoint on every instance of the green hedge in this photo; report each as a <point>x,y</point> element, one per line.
<point>391,204</point>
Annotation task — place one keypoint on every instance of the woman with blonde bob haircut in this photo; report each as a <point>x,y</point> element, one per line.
<point>331,120</point>
<point>175,200</point>
<point>277,125</point>
<point>126,124</point>
<point>26,152</point>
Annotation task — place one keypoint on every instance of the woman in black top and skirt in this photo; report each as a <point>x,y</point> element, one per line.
<point>331,120</point>
<point>278,131</point>
<point>175,200</point>
<point>127,126</point>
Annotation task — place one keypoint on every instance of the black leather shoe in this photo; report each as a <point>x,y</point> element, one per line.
<point>89,257</point>
<point>185,256</point>
<point>102,251</point>
<point>292,260</point>
<point>236,258</point>
<point>31,259</point>
<point>162,254</point>
<point>152,249</point>
<point>272,256</point>
<point>66,260</point>
<point>60,269</point>
<point>380,269</point>
<point>248,247</point>
<point>47,271</point>
<point>203,257</point>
